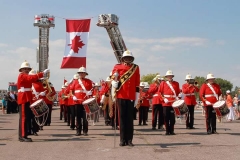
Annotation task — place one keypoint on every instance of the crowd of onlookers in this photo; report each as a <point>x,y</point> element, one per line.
<point>9,103</point>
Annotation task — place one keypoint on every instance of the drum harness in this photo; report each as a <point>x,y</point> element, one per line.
<point>214,93</point>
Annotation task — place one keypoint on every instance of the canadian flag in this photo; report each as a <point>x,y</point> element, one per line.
<point>77,33</point>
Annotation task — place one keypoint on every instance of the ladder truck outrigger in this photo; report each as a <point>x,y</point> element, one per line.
<point>110,22</point>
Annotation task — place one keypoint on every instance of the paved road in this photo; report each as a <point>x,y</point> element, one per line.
<point>57,142</point>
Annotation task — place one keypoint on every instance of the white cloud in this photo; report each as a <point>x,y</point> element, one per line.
<point>3,45</point>
<point>192,41</point>
<point>162,48</point>
<point>220,42</point>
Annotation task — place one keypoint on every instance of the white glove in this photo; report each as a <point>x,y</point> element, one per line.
<point>74,98</point>
<point>88,93</point>
<point>180,95</point>
<point>102,99</point>
<point>45,72</point>
<point>165,100</point>
<point>42,94</point>
<point>136,98</point>
<point>115,84</point>
<point>208,103</point>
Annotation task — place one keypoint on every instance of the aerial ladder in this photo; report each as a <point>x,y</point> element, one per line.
<point>110,22</point>
<point>43,22</point>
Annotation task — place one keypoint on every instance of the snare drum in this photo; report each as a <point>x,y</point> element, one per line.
<point>221,108</point>
<point>39,108</point>
<point>179,107</point>
<point>90,105</point>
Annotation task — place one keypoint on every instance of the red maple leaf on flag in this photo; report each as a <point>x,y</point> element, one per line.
<point>77,43</point>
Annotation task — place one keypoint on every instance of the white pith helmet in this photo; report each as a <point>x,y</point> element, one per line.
<point>188,77</point>
<point>108,79</point>
<point>66,84</point>
<point>32,72</point>
<point>25,64</point>
<point>146,86</point>
<point>63,86</point>
<point>154,79</point>
<point>158,76</point>
<point>76,76</point>
<point>228,91</point>
<point>82,69</point>
<point>141,84</point>
<point>169,73</point>
<point>96,85</point>
<point>127,53</point>
<point>210,76</point>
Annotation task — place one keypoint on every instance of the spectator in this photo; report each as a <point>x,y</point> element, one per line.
<point>238,107</point>
<point>229,102</point>
<point>235,103</point>
<point>4,104</point>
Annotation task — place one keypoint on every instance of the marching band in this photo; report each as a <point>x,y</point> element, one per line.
<point>118,96</point>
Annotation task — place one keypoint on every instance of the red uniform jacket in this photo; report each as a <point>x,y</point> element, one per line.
<point>145,99</point>
<point>128,89</point>
<point>189,96</point>
<point>24,85</point>
<point>70,101</point>
<point>153,91</point>
<point>37,87</point>
<point>60,97</point>
<point>78,91</point>
<point>206,93</point>
<point>166,92</point>
<point>96,93</point>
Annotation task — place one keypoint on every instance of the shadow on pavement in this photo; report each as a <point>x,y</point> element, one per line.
<point>2,144</point>
<point>8,129</point>
<point>168,145</point>
<point>5,122</point>
<point>51,140</point>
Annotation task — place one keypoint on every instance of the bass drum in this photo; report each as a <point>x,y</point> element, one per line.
<point>179,107</point>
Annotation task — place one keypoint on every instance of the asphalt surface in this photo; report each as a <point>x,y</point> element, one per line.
<point>58,142</point>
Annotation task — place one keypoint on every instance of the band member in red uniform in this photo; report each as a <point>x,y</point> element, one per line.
<point>96,95</point>
<point>65,102</point>
<point>72,103</point>
<point>169,90</point>
<point>68,102</point>
<point>61,101</point>
<point>126,80</point>
<point>38,92</point>
<point>81,89</point>
<point>50,97</point>
<point>157,109</point>
<point>209,93</point>
<point>24,85</point>
<point>144,103</point>
<point>189,89</point>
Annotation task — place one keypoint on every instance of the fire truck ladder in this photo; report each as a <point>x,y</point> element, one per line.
<point>110,22</point>
<point>43,22</point>
<point>43,48</point>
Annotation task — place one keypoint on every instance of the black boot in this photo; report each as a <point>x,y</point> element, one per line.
<point>24,139</point>
<point>130,143</point>
<point>78,132</point>
<point>122,143</point>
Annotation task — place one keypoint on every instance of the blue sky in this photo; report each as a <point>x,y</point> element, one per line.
<point>186,36</point>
